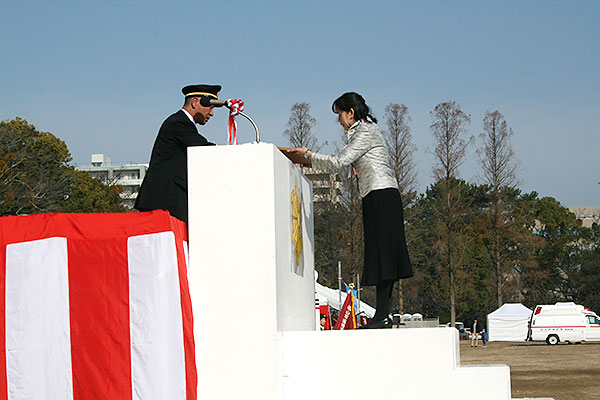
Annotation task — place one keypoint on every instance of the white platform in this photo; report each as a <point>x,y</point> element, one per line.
<point>262,343</point>
<point>420,363</point>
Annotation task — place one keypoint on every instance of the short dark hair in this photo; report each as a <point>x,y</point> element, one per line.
<point>355,101</point>
<point>188,100</point>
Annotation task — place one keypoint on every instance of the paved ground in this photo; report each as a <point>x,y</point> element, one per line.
<point>564,371</point>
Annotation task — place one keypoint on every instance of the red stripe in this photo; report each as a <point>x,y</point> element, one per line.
<point>99,312</point>
<point>191,376</point>
<point>3,384</point>
<point>534,327</point>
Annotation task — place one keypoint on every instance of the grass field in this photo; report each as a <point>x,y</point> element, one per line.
<point>563,372</point>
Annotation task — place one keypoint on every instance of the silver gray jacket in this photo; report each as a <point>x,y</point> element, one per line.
<point>368,153</point>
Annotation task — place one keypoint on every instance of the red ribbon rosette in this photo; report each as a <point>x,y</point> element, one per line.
<point>235,107</point>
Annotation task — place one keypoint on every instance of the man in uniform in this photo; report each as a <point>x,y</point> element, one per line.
<point>165,184</point>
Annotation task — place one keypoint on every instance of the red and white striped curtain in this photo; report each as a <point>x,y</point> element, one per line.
<point>95,306</point>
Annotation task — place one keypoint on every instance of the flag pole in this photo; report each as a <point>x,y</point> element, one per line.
<point>340,284</point>
<point>358,291</point>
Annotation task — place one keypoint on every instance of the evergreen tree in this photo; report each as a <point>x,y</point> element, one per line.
<point>36,175</point>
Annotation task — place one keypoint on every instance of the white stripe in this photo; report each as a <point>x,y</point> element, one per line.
<point>157,352</point>
<point>38,339</point>
<point>187,258</point>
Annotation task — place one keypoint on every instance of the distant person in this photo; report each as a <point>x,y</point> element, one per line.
<point>474,336</point>
<point>323,321</point>
<point>363,320</point>
<point>484,338</point>
<point>165,184</point>
<point>385,253</point>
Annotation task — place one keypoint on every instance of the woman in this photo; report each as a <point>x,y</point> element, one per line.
<point>386,257</point>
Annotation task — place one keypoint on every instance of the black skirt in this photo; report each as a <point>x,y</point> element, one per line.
<point>386,255</point>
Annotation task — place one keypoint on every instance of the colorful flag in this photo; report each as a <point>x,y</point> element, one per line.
<point>95,306</point>
<point>350,289</point>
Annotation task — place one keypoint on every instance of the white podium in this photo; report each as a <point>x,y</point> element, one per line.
<point>252,288</point>
<point>247,282</point>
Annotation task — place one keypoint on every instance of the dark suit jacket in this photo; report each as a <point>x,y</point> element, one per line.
<point>165,184</point>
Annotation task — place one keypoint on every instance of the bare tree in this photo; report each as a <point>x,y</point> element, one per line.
<point>299,127</point>
<point>449,123</point>
<point>338,229</point>
<point>498,162</point>
<point>399,141</point>
<point>351,204</point>
<point>499,172</point>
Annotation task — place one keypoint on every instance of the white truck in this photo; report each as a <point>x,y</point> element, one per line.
<point>563,322</point>
<point>463,333</point>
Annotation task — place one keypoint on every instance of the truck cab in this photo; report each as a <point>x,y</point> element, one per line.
<point>593,332</point>
<point>463,334</point>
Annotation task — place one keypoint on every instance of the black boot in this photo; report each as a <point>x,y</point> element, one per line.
<point>383,296</point>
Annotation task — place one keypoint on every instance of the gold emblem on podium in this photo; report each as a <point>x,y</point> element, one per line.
<point>296,221</point>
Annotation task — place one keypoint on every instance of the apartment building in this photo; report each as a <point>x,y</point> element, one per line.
<point>127,175</point>
<point>326,186</point>
<point>587,215</point>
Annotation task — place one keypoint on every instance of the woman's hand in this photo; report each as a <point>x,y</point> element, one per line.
<point>304,153</point>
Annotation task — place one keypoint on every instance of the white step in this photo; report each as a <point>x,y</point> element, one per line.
<point>385,364</point>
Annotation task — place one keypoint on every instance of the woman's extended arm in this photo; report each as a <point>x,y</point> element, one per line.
<point>360,143</point>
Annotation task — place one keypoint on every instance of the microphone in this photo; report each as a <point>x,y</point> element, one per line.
<point>207,102</point>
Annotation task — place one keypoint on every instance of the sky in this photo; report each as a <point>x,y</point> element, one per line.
<point>102,76</point>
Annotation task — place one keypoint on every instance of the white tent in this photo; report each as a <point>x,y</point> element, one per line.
<point>508,323</point>
<point>329,296</point>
